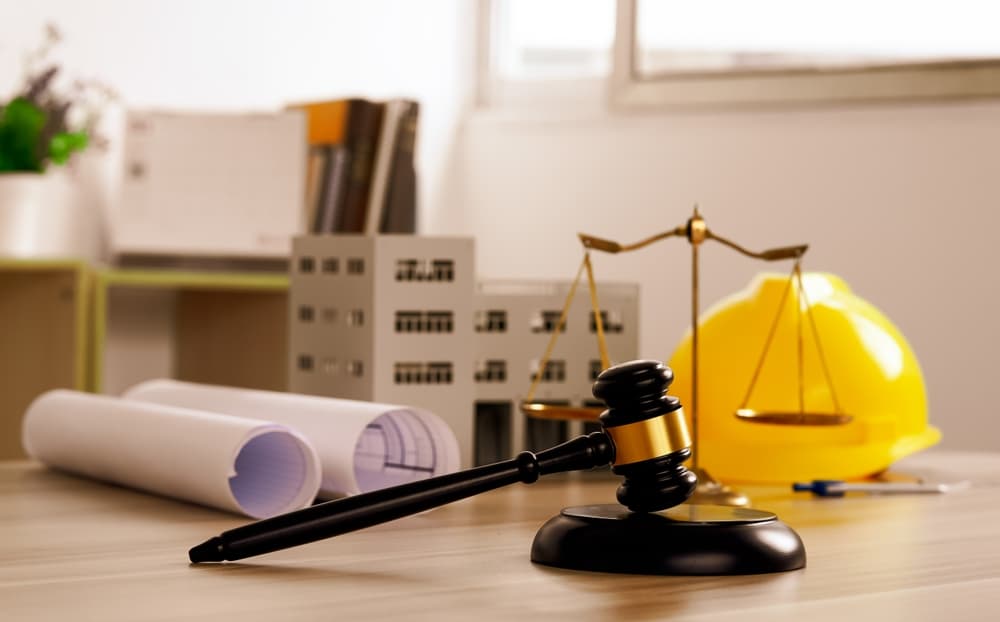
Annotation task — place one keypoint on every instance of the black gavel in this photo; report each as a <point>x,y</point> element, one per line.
<point>644,438</point>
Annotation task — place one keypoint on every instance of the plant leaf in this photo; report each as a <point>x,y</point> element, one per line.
<point>21,124</point>
<point>65,144</point>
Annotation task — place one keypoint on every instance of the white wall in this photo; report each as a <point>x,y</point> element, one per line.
<point>259,55</point>
<point>899,200</point>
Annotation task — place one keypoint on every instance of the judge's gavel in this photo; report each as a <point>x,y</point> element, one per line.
<point>644,438</point>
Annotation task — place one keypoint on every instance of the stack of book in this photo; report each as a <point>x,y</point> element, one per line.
<point>360,176</point>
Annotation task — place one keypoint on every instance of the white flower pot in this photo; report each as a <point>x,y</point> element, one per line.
<point>44,216</point>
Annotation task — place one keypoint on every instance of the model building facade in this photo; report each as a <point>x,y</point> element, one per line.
<point>514,321</point>
<point>401,320</point>
<point>385,319</point>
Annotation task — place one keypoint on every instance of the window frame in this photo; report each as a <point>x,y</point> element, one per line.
<point>918,81</point>
<point>495,92</point>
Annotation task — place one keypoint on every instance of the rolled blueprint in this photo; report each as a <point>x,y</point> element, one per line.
<point>362,446</point>
<point>252,467</point>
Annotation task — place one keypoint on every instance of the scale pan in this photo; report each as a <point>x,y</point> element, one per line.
<point>563,413</point>
<point>791,418</point>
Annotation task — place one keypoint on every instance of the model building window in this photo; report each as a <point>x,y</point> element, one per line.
<point>407,269</point>
<point>305,362</point>
<point>442,270</point>
<point>329,365</point>
<point>329,315</point>
<point>492,370</point>
<point>419,373</point>
<point>417,270</point>
<point>306,313</point>
<point>331,265</point>
<point>425,322</point>
<point>546,322</point>
<point>610,320</point>
<point>356,368</point>
<point>595,369</point>
<point>408,321</point>
<point>555,371</point>
<point>306,264</point>
<point>491,321</point>
<point>439,373</point>
<point>356,265</point>
<point>440,321</point>
<point>408,373</point>
<point>356,317</point>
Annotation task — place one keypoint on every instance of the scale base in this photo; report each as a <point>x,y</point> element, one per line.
<point>684,540</point>
<point>710,491</point>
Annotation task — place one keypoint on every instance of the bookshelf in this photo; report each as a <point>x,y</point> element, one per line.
<point>65,324</point>
<point>225,328</point>
<point>44,308</point>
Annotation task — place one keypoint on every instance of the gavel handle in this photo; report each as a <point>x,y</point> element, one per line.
<point>333,518</point>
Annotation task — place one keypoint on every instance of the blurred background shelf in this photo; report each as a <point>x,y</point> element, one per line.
<point>65,324</point>
<point>215,327</point>
<point>44,337</point>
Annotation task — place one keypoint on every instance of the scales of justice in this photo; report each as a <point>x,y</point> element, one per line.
<point>695,230</point>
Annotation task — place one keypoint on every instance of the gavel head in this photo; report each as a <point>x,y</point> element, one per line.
<point>649,435</point>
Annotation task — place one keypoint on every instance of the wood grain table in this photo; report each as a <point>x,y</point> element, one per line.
<point>73,549</point>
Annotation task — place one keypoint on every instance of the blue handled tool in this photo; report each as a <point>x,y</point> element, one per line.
<point>837,488</point>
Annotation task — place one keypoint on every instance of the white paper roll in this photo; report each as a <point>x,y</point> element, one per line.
<point>362,446</point>
<point>256,468</point>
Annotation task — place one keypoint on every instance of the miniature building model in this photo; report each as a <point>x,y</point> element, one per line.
<point>514,321</point>
<point>385,319</point>
<point>399,319</point>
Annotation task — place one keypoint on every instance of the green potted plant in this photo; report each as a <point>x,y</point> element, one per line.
<point>43,126</point>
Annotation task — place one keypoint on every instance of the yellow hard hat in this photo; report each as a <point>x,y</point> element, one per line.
<point>874,374</point>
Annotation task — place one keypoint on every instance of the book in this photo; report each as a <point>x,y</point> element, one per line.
<point>364,118</point>
<point>326,121</point>
<point>315,170</point>
<point>383,165</point>
<point>336,170</point>
<point>326,129</point>
<point>346,133</point>
<point>400,210</point>
<point>394,175</point>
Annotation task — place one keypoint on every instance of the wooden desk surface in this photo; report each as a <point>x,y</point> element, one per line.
<point>72,549</point>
